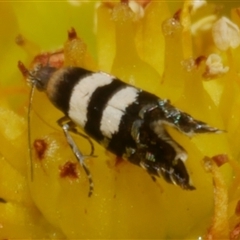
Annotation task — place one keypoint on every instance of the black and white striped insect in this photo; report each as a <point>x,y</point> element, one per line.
<point>126,120</point>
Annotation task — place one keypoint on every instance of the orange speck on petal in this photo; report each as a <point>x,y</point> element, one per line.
<point>69,169</point>
<point>40,146</point>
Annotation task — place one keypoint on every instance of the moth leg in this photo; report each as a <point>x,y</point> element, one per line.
<point>80,157</point>
<point>74,130</point>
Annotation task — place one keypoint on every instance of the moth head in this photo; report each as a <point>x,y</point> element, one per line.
<point>39,76</point>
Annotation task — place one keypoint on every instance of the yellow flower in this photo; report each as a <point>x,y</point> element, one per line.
<point>190,56</point>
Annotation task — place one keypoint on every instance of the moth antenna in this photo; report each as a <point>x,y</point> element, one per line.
<point>25,72</point>
<point>29,128</point>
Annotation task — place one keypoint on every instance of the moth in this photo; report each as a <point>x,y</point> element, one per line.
<point>126,120</point>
